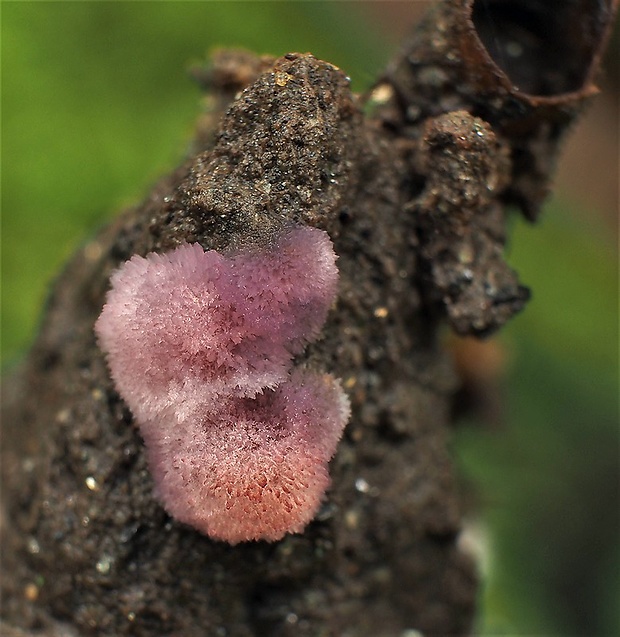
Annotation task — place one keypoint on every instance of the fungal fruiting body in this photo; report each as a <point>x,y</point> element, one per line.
<point>200,346</point>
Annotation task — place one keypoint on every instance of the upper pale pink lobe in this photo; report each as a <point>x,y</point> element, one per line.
<point>196,341</point>
<point>191,325</point>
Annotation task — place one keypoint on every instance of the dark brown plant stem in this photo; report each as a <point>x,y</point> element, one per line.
<point>484,92</point>
<point>413,194</point>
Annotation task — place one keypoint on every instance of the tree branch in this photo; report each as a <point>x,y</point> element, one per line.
<point>412,182</point>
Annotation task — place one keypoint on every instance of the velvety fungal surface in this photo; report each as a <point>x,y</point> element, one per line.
<point>254,468</point>
<point>200,346</point>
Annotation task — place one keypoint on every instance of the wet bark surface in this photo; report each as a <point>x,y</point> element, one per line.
<point>412,182</point>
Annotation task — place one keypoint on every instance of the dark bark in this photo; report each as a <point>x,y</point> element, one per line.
<point>412,182</point>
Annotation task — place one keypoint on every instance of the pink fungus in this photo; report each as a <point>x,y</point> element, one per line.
<point>200,345</point>
<point>254,468</point>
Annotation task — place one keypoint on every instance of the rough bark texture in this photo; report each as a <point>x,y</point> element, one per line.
<point>412,183</point>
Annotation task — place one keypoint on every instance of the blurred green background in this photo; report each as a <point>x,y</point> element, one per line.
<point>96,104</point>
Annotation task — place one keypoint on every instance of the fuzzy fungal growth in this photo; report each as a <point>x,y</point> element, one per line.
<point>200,345</point>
